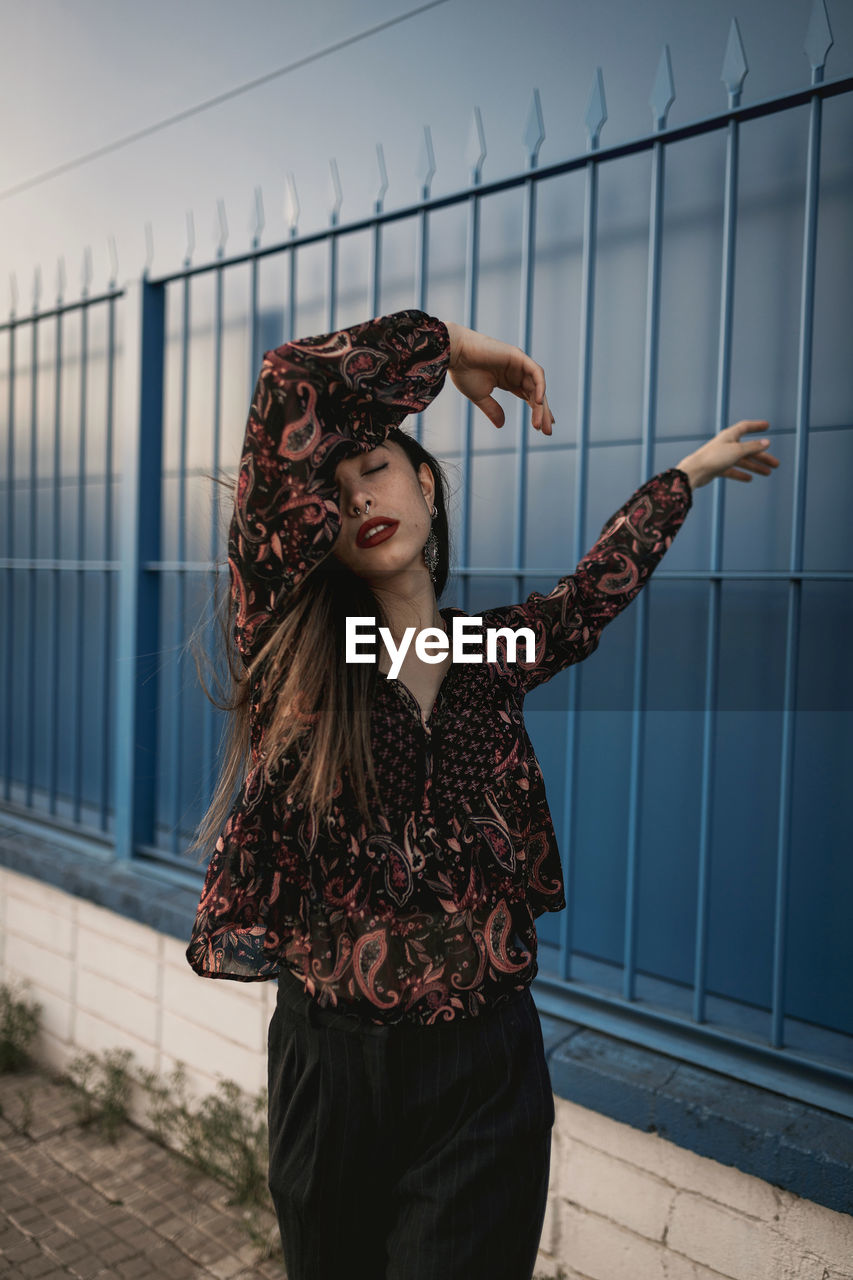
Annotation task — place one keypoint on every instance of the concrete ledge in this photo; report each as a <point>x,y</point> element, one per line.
<point>788,1144</point>
<point>131,891</point>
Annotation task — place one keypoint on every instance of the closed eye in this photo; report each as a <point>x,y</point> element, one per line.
<point>367,473</point>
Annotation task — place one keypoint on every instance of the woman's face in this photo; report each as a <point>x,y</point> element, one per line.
<point>386,478</point>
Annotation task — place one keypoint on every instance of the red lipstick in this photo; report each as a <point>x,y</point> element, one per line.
<point>391,528</point>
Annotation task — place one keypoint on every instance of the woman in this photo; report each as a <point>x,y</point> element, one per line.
<point>391,843</point>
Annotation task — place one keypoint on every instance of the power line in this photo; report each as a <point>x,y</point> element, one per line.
<point>28,183</point>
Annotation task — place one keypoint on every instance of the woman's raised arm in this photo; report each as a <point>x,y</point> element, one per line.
<point>318,400</point>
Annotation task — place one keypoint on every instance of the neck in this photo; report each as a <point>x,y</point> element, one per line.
<point>409,603</point>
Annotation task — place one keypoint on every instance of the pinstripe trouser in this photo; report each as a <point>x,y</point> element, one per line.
<point>408,1152</point>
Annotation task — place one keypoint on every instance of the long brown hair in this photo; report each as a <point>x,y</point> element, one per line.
<point>313,704</point>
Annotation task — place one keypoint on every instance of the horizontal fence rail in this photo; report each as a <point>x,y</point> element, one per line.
<point>106,741</point>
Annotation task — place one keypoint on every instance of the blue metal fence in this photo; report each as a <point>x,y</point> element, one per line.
<point>107,740</point>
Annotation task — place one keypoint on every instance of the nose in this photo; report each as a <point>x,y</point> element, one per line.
<point>357,501</point>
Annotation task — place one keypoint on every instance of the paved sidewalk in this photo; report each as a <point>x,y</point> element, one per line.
<point>74,1204</point>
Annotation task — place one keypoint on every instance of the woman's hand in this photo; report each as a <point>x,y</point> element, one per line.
<point>479,364</point>
<point>726,455</point>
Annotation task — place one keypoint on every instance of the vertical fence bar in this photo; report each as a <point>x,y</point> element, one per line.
<point>471,283</point>
<point>290,323</point>
<point>53,713</point>
<point>293,223</point>
<point>734,71</point>
<point>534,137</point>
<point>10,572</point>
<point>427,171</point>
<point>216,449</point>
<point>32,575</point>
<point>331,312</point>
<point>176,709</point>
<point>333,251</point>
<point>595,118</point>
<point>792,636</point>
<point>375,268</point>
<point>254,316</point>
<point>662,96</point>
<point>525,328</point>
<point>467,407</point>
<point>254,321</point>
<point>139,586</point>
<point>80,574</point>
<point>107,638</point>
<point>421,278</point>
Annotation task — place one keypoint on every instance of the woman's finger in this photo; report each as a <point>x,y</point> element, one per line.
<point>490,407</point>
<point>748,424</point>
<point>546,417</point>
<point>536,375</point>
<point>522,373</point>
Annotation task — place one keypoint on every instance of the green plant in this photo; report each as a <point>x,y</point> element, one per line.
<point>266,1240</point>
<point>25,1097</point>
<point>226,1136</point>
<point>102,1089</point>
<point>19,1022</point>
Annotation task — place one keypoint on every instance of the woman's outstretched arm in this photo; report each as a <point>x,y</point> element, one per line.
<point>569,621</point>
<point>318,400</point>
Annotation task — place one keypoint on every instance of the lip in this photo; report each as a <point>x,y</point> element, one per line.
<point>380,537</point>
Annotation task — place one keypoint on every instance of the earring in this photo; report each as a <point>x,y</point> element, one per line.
<point>431,550</point>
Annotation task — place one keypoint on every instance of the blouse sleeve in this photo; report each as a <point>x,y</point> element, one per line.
<point>568,622</point>
<point>318,400</point>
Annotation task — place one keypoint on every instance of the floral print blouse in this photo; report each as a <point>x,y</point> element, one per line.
<point>426,913</point>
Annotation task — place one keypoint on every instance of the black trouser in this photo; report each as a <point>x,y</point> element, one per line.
<point>408,1152</point>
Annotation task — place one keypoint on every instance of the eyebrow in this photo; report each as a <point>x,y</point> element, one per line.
<point>373,450</point>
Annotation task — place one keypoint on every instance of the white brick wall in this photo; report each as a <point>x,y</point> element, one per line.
<point>623,1205</point>
<point>108,982</point>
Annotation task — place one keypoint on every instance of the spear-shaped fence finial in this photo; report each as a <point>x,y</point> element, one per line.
<point>596,111</point>
<point>86,277</point>
<point>222,227</point>
<point>60,280</point>
<point>113,251</point>
<point>818,39</point>
<point>476,152</point>
<point>383,179</point>
<point>663,91</point>
<point>735,66</point>
<point>258,221</point>
<point>534,131</point>
<point>13,294</point>
<point>426,163</point>
<point>337,194</point>
<point>291,206</point>
<point>36,289</point>
<point>188,256</point>
<point>149,250</point>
